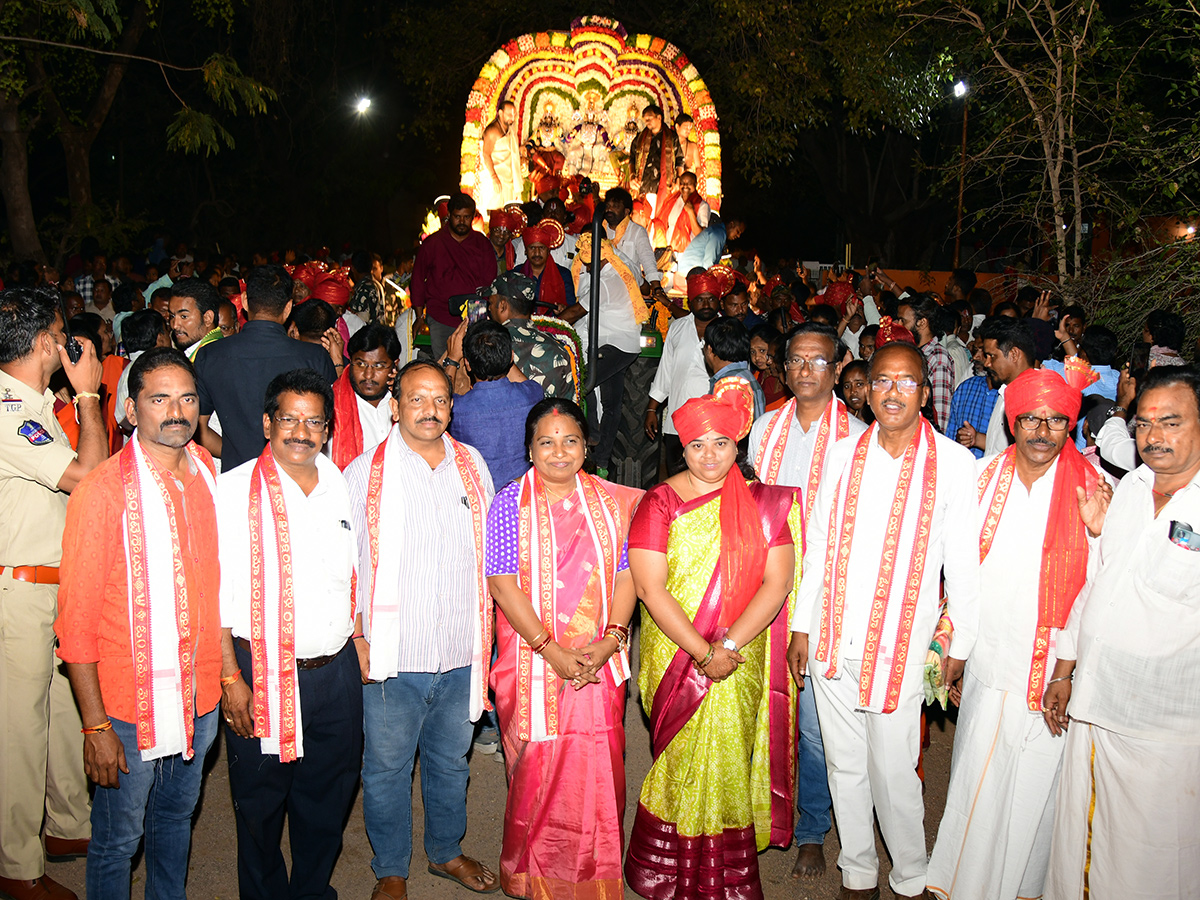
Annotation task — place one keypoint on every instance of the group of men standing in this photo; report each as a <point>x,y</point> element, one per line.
<point>179,597</point>
<point>1073,622</point>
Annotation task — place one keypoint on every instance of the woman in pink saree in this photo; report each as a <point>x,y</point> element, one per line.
<point>713,562</point>
<point>557,570</point>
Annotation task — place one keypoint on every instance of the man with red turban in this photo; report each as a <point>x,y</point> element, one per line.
<point>555,287</point>
<point>1041,505</point>
<point>503,225</point>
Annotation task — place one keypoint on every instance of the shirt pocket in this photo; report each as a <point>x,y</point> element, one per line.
<point>1173,573</point>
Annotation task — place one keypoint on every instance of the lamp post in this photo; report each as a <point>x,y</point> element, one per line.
<point>961,89</point>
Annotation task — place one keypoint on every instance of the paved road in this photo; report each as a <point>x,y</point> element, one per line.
<point>213,869</point>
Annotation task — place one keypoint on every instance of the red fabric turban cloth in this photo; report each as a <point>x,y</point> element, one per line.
<point>729,412</point>
<point>501,218</point>
<point>890,331</point>
<point>333,288</point>
<point>716,281</point>
<point>547,232</point>
<point>1035,388</point>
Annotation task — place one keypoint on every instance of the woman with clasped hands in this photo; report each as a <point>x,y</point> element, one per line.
<point>557,569</point>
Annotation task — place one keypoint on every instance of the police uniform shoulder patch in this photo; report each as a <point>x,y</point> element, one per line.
<point>35,433</point>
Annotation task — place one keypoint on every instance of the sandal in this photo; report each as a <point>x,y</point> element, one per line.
<point>463,869</point>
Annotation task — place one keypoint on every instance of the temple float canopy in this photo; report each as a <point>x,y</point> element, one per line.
<point>579,97</point>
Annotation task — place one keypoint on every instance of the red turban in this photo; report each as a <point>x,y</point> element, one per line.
<point>774,283</point>
<point>333,288</point>
<point>891,331</point>
<point>1035,388</point>
<point>729,412</point>
<point>716,281</point>
<point>548,232</point>
<point>503,218</point>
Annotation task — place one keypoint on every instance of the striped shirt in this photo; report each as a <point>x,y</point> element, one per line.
<point>438,565</point>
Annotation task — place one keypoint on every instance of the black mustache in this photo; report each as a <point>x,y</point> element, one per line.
<point>1155,448</point>
<point>1041,442</point>
<point>429,419</point>
<point>168,422</point>
<point>300,442</point>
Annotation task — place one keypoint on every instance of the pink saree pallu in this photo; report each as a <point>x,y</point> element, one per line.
<point>722,783</point>
<point>564,749</point>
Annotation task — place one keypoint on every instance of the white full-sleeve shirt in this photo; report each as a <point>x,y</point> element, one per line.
<point>681,374</point>
<point>635,251</point>
<point>324,552</point>
<point>1138,661</point>
<point>953,545</point>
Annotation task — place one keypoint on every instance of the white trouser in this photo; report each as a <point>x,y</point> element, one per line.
<point>872,763</point>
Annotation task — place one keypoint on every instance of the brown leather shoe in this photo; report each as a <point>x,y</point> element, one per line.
<point>852,894</point>
<point>810,861</point>
<point>44,888</point>
<point>65,849</point>
<point>393,887</point>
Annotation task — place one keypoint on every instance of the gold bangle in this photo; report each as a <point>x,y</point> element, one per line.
<point>708,658</point>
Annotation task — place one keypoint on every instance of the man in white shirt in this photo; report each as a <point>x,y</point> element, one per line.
<point>622,311</point>
<point>361,399</point>
<point>994,839</point>
<point>681,373</point>
<point>893,509</point>
<point>418,504</point>
<point>789,446</point>
<point>556,209</point>
<point>1127,823</point>
<point>291,672</point>
<point>630,240</point>
<point>1008,350</point>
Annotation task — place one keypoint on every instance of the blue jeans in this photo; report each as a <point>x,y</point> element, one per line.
<point>410,712</point>
<point>812,781</point>
<point>156,798</point>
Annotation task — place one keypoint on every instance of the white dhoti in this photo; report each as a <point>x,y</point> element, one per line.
<point>1127,823</point>
<point>506,160</point>
<point>871,759</point>
<point>994,839</point>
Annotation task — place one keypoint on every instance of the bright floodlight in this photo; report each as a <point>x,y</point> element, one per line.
<point>960,89</point>
<point>1191,229</point>
<point>363,104</point>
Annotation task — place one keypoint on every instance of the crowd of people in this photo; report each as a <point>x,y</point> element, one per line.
<point>254,503</point>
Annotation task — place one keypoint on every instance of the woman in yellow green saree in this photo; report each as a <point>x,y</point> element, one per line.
<point>713,562</point>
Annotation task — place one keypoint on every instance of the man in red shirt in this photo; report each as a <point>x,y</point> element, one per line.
<point>453,261</point>
<point>139,629</point>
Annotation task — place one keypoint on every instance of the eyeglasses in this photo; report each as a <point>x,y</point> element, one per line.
<point>1054,423</point>
<point>374,367</point>
<point>817,365</point>
<point>288,423</point>
<point>903,385</point>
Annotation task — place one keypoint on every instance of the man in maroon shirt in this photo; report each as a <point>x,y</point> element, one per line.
<point>453,261</point>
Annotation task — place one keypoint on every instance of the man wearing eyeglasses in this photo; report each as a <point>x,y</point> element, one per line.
<point>1041,506</point>
<point>291,672</point>
<point>790,446</point>
<point>1127,820</point>
<point>362,412</point>
<point>894,508</point>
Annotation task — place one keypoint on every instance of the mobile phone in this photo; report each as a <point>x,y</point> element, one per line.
<point>73,347</point>
<point>1181,534</point>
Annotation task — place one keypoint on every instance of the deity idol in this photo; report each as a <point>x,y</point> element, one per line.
<point>544,151</point>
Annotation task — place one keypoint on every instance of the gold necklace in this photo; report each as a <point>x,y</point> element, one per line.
<point>550,493</point>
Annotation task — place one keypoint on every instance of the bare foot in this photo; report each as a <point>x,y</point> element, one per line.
<point>810,861</point>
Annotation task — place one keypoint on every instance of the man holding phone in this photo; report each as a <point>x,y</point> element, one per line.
<point>41,749</point>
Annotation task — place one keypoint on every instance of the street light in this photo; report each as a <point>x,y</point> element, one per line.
<point>961,89</point>
<point>363,104</point>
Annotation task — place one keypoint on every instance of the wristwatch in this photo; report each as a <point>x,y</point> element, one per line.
<point>730,645</point>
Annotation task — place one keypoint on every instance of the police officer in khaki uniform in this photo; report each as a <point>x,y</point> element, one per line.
<point>41,748</point>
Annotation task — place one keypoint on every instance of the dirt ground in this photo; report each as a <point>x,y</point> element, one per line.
<point>213,866</point>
